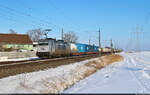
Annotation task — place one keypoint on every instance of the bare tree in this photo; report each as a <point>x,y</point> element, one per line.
<point>12,31</point>
<point>35,34</point>
<point>70,37</point>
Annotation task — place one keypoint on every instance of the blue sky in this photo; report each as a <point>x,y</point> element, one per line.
<point>117,19</point>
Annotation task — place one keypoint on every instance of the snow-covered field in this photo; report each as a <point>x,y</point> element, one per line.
<point>46,81</point>
<point>130,76</point>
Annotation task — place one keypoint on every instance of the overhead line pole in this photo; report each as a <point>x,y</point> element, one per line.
<point>111,45</point>
<point>62,34</point>
<point>89,41</point>
<point>100,50</point>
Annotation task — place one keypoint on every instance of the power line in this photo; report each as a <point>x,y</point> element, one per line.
<point>68,18</point>
<point>10,19</point>
<point>11,15</point>
<point>28,15</point>
<point>146,20</point>
<point>33,19</point>
<point>137,33</point>
<point>63,14</point>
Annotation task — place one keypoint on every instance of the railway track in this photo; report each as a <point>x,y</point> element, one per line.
<point>10,63</point>
<point>11,69</point>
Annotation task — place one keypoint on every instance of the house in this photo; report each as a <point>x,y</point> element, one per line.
<point>15,42</point>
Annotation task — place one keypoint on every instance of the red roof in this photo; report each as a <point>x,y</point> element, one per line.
<point>15,39</point>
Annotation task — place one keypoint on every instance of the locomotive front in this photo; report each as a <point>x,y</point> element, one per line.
<point>46,48</point>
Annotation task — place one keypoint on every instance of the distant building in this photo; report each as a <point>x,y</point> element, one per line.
<point>15,41</point>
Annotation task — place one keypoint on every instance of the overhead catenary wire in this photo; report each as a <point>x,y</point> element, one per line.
<point>31,17</point>
<point>13,20</point>
<point>9,18</point>
<point>58,10</point>
<point>146,19</point>
<point>66,17</point>
<point>11,15</point>
<point>34,21</point>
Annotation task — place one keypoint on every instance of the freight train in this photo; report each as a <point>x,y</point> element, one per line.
<point>57,48</point>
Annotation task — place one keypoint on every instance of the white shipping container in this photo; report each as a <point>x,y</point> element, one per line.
<point>73,47</point>
<point>106,49</point>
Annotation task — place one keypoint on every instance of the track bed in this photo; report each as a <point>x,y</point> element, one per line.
<point>24,67</point>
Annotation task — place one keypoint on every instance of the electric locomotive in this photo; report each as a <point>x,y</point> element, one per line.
<point>51,48</point>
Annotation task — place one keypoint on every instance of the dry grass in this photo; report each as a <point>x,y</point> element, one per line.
<point>106,60</point>
<point>58,83</point>
<point>111,58</point>
<point>88,69</point>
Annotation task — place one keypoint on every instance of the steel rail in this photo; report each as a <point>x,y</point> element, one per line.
<point>44,60</point>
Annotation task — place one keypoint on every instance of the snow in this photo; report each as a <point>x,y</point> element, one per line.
<point>18,59</point>
<point>45,81</point>
<point>130,76</point>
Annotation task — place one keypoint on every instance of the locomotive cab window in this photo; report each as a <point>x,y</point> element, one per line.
<point>43,43</point>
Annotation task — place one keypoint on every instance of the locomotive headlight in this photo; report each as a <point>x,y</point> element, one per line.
<point>42,49</point>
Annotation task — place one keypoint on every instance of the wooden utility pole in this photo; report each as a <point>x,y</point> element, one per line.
<point>62,34</point>
<point>100,42</point>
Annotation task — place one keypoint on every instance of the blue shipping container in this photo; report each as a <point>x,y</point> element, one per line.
<point>81,47</point>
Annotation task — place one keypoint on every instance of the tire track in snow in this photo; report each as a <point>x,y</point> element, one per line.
<point>129,61</point>
<point>132,60</point>
<point>144,64</point>
<point>146,74</point>
<point>140,59</point>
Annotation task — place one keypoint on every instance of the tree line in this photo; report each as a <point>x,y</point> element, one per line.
<point>37,34</point>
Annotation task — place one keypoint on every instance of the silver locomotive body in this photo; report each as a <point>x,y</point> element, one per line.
<point>62,48</point>
<point>51,48</point>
